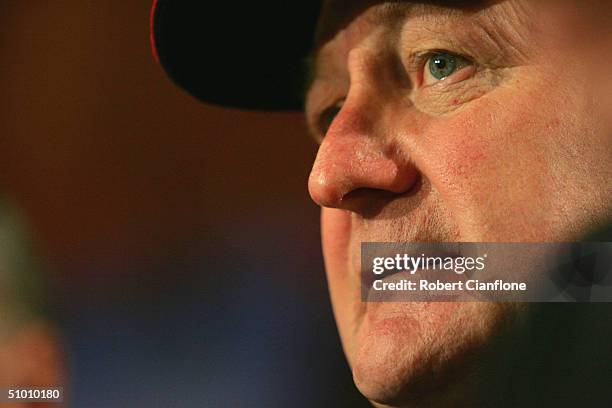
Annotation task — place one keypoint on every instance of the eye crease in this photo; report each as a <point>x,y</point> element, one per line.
<point>436,67</point>
<point>326,118</point>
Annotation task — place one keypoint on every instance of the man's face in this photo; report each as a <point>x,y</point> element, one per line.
<point>444,124</point>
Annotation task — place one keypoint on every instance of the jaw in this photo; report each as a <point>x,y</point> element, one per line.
<point>408,354</point>
<point>404,354</point>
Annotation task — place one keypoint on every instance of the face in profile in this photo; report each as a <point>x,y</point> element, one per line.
<point>448,125</point>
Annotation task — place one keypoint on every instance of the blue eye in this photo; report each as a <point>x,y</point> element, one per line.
<point>443,65</point>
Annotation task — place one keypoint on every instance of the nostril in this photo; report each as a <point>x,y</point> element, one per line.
<point>385,194</point>
<point>369,194</point>
<point>369,202</point>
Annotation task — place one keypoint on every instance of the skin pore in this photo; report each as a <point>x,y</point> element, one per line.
<point>503,149</point>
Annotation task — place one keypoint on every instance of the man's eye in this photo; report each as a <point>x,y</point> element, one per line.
<point>442,65</point>
<point>327,117</point>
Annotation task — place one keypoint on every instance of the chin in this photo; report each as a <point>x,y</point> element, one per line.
<point>424,354</point>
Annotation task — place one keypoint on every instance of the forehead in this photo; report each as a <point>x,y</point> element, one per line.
<point>337,14</point>
<point>487,19</point>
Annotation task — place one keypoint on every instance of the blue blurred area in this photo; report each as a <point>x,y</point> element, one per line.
<point>235,330</point>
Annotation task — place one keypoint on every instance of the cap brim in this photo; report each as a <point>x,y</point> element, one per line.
<point>249,55</point>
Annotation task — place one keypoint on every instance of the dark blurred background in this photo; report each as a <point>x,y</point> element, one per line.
<point>181,245</point>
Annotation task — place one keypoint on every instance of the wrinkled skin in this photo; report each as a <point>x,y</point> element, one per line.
<point>506,149</point>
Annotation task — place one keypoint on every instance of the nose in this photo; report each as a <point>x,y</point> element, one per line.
<point>359,162</point>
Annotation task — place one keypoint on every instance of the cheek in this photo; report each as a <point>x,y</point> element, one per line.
<point>461,156</point>
<point>487,163</point>
<point>460,146</point>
